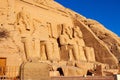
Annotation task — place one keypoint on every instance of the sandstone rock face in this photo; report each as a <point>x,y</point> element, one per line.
<point>45,31</point>
<point>101,50</point>
<point>108,37</point>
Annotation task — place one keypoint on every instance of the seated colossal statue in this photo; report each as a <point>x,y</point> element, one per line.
<point>66,39</point>
<point>25,27</point>
<point>78,38</point>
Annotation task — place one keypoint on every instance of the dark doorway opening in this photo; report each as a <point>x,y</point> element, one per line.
<point>2,65</point>
<point>60,71</point>
<point>89,73</point>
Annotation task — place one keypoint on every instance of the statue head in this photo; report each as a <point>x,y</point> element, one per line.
<point>67,30</point>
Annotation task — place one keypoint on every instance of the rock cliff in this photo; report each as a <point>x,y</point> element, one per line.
<point>45,31</point>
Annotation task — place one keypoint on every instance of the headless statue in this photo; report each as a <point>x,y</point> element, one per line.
<point>26,29</point>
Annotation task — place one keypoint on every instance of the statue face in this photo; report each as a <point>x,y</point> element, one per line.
<point>66,30</point>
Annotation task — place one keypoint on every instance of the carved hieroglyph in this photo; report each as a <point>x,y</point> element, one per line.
<point>45,31</point>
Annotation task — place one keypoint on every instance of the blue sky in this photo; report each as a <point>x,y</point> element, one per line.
<point>106,12</point>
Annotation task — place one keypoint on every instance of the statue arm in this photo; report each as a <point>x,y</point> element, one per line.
<point>71,41</point>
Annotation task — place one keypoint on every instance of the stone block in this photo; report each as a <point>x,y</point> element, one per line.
<point>73,71</point>
<point>71,63</point>
<point>62,63</point>
<point>85,65</point>
<point>54,73</point>
<point>68,71</point>
<point>35,71</point>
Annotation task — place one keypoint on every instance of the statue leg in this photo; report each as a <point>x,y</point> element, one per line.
<point>49,50</point>
<point>56,54</point>
<point>28,48</point>
<point>37,48</point>
<point>92,53</point>
<point>89,52</point>
<point>71,56</point>
<point>75,52</point>
<point>82,54</point>
<point>43,55</point>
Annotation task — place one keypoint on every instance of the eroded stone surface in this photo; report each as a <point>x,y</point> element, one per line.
<point>35,71</point>
<point>45,31</point>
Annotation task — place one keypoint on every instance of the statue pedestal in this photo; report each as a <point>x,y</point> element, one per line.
<point>35,71</point>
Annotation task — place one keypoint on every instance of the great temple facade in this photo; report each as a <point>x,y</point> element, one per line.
<point>45,31</point>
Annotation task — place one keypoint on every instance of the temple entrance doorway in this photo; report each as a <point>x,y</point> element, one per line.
<point>2,65</point>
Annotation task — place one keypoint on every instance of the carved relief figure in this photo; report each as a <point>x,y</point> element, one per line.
<point>26,28</point>
<point>48,49</point>
<point>24,18</point>
<point>52,50</point>
<point>51,45</point>
<point>66,36</point>
<point>67,40</point>
<point>40,34</point>
<point>78,38</point>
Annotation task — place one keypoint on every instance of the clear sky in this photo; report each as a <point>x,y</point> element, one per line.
<point>106,12</point>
